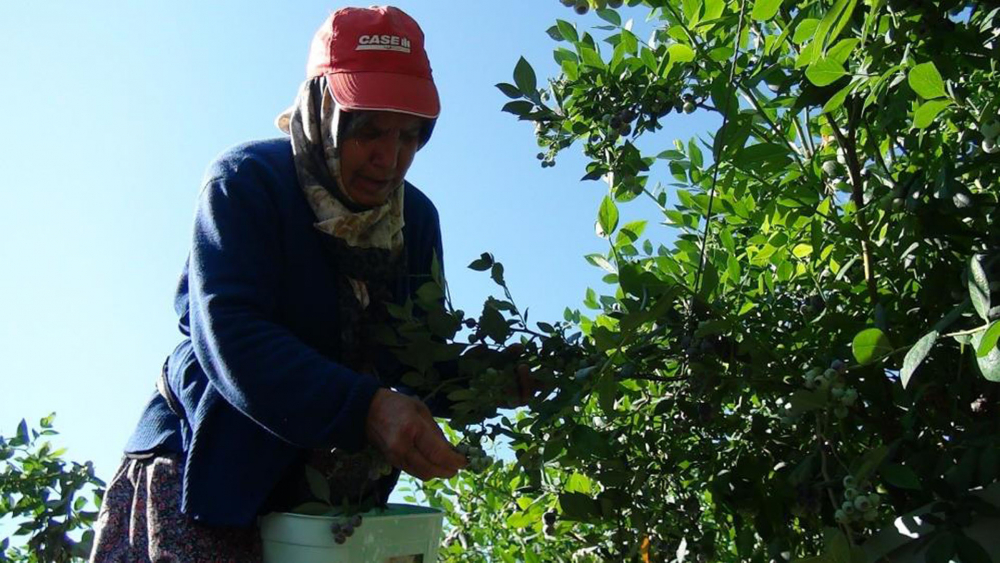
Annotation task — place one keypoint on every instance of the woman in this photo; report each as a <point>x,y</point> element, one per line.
<point>297,244</point>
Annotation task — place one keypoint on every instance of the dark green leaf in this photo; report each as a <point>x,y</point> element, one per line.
<point>578,507</point>
<point>519,108</point>
<point>941,549</point>
<point>524,77</point>
<point>979,288</point>
<point>509,90</point>
<point>970,551</point>
<point>900,476</point>
<point>483,263</point>
<point>916,356</point>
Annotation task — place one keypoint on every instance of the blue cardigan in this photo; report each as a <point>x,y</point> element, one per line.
<point>256,374</point>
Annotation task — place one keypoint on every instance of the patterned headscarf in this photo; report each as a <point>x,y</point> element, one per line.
<point>316,126</point>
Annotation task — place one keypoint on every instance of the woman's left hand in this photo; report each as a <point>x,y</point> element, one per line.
<point>525,386</point>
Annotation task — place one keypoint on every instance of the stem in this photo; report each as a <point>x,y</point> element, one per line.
<point>857,195</point>
<point>716,157</point>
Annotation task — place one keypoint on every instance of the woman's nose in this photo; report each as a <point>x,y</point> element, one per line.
<point>385,152</point>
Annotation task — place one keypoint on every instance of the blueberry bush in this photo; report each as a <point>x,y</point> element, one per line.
<point>49,503</point>
<point>802,347</point>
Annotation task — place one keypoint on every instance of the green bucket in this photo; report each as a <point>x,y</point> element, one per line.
<point>400,533</point>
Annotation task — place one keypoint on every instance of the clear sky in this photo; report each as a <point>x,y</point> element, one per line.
<point>112,110</point>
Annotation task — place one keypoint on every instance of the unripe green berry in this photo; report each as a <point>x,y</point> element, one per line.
<point>875,499</point>
<point>850,493</point>
<point>831,373</point>
<point>850,397</point>
<point>848,508</point>
<point>837,392</point>
<point>990,146</point>
<point>871,515</point>
<point>841,412</point>
<point>862,504</point>
<point>840,516</point>
<point>689,107</point>
<point>849,481</point>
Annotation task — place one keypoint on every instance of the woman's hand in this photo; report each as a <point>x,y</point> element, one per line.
<point>526,386</point>
<point>404,430</point>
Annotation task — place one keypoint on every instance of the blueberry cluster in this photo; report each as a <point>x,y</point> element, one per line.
<point>343,529</point>
<point>583,6</point>
<point>858,504</point>
<point>479,461</point>
<point>832,380</point>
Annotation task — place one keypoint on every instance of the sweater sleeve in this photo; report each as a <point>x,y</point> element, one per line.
<point>256,364</point>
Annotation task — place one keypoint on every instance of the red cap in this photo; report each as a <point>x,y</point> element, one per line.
<point>374,59</point>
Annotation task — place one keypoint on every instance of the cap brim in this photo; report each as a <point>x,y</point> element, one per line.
<point>381,91</point>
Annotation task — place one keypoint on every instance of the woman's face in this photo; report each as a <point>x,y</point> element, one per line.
<point>375,157</point>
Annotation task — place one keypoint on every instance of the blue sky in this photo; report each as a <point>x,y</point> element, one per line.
<point>114,109</point>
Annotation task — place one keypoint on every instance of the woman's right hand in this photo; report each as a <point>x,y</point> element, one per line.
<point>404,430</point>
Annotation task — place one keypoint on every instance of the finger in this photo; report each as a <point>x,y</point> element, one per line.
<point>528,385</point>
<point>432,445</point>
<point>418,465</point>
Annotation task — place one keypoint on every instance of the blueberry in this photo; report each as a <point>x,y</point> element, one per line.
<point>340,539</point>
<point>582,7</point>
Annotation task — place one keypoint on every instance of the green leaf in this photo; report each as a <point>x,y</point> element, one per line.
<point>752,155</point>
<point>979,288</point>
<point>838,99</point>
<point>989,364</point>
<point>805,31</point>
<point>926,81</point>
<point>764,10</point>
<point>608,216</point>
<point>900,476</point>
<point>928,111</point>
<point>870,345</point>
<point>825,71</point>
<point>524,77</point>
<point>916,356</point>
<point>318,485</point>
<point>567,30</point>
<point>680,53</point>
<point>610,16</point>
<point>989,341</point>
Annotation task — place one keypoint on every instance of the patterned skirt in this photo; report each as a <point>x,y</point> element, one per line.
<point>141,521</point>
